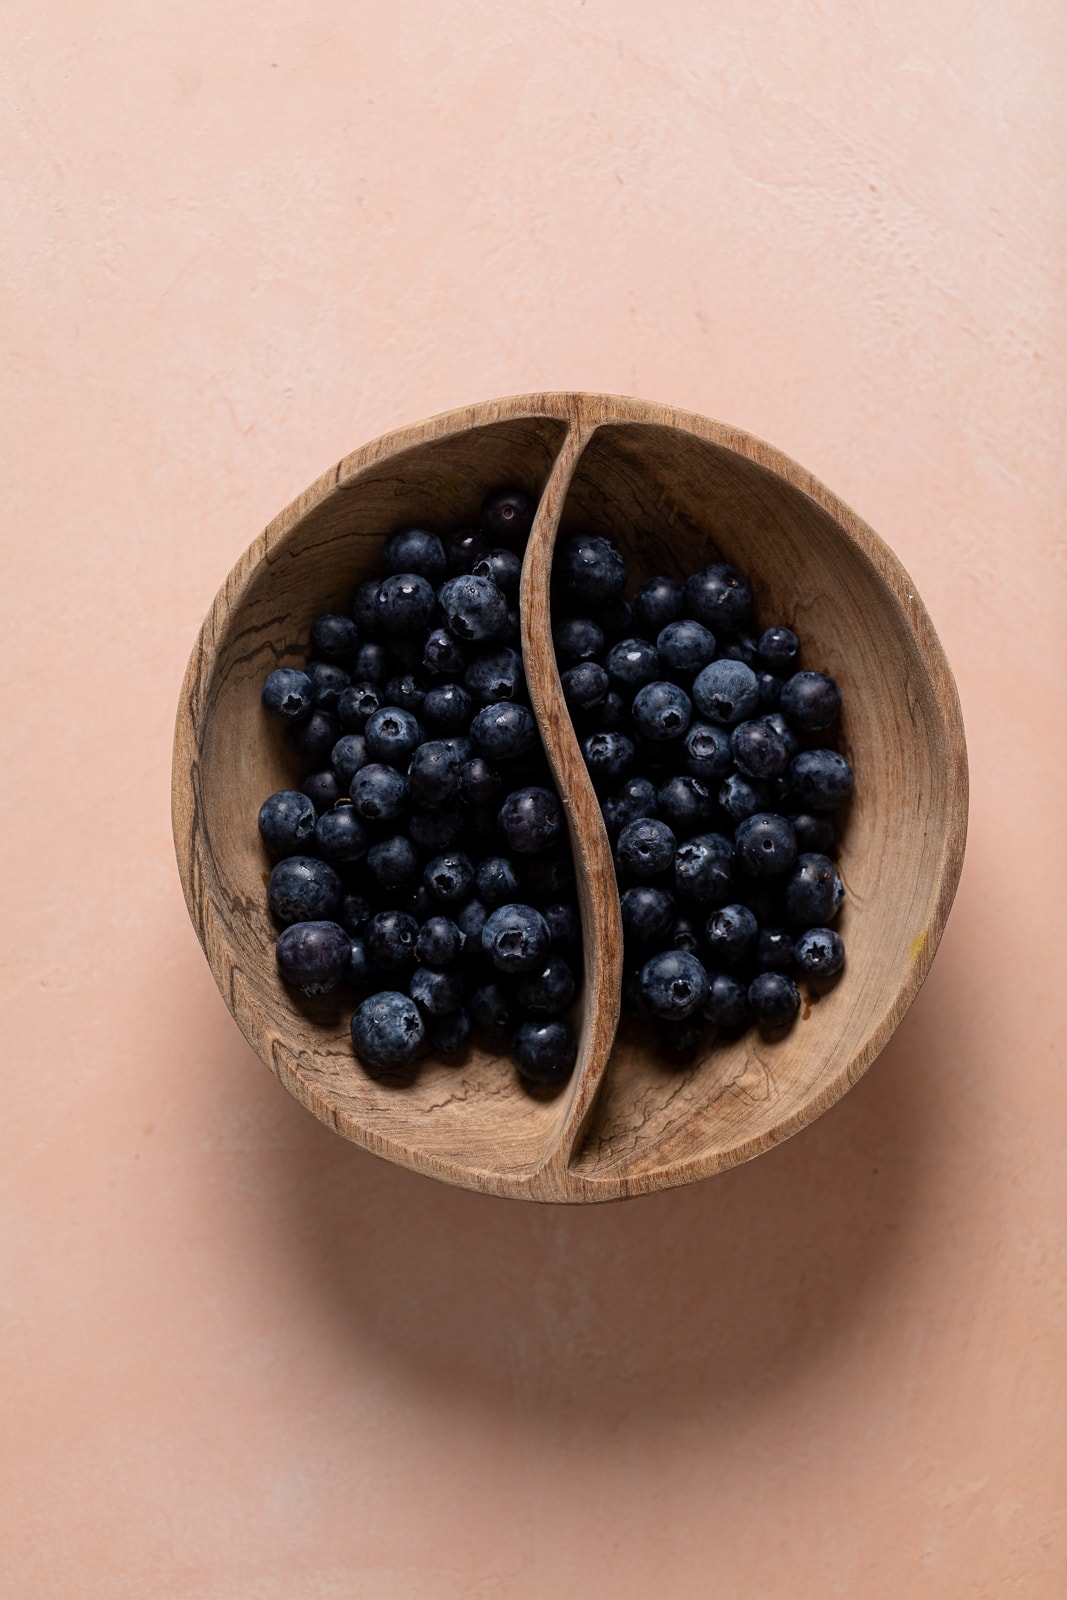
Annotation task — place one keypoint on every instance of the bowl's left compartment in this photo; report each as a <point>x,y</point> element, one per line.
<point>471,1124</point>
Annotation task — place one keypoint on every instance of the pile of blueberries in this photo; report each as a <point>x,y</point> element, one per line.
<point>423,860</point>
<point>713,755</point>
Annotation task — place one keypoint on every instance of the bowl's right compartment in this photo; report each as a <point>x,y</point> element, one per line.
<point>673,501</point>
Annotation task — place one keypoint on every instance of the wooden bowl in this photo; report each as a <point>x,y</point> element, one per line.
<point>673,489</point>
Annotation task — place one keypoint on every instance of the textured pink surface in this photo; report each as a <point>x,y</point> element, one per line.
<point>244,1361</point>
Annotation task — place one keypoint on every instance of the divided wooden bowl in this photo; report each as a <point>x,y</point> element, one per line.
<point>674,490</point>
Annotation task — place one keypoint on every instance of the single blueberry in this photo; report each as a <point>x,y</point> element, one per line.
<point>449,1035</point>
<point>406,690</point>
<point>742,797</point>
<point>449,877</point>
<point>393,862</point>
<point>589,571</point>
<point>585,686</point>
<point>303,889</point>
<point>685,803</point>
<point>435,993</point>
<point>314,956</point>
<point>357,704</point>
<point>531,820</point>
<point>759,749</point>
<point>415,550</point>
<point>340,835</point>
<point>718,596</point>
<point>631,664</point>
<point>608,756</point>
<point>647,914</point>
<point>662,711</point>
<point>814,834</point>
<point>726,692</point>
<point>442,655</point>
<point>814,892</point>
<point>482,784</point>
<point>516,938</point>
<point>819,952</point>
<point>495,675</point>
<point>390,939</point>
<point>821,779</point>
<point>545,1052</point>
<point>731,934</point>
<point>393,735</point>
<point>288,694</point>
<point>287,822</point>
<point>435,776</point>
<point>645,849</point>
<point>387,1030</point>
<point>329,682</point>
<point>508,514</point>
<point>334,638</point>
<point>774,950</point>
<point>685,647</point>
<point>440,942</point>
<point>314,737</point>
<point>742,647</point>
<point>577,639</point>
<point>564,924</point>
<point>492,1008</point>
<point>504,567</point>
<point>474,608</point>
<point>770,690</point>
<point>378,792</point>
<point>503,731</point>
<point>674,984</point>
<point>470,920</point>
<point>726,1005</point>
<point>496,881</point>
<point>347,756</point>
<point>447,709</point>
<point>356,911</point>
<point>773,1000</point>
<point>371,664</point>
<point>548,990</point>
<point>811,700</point>
<point>405,603</point>
<point>779,649</point>
<point>704,869</point>
<point>708,754</point>
<point>658,603</point>
<point>323,789</point>
<point>765,844</point>
<point>685,935</point>
<point>462,550</point>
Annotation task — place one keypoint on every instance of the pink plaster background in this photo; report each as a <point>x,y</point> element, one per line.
<point>242,1360</point>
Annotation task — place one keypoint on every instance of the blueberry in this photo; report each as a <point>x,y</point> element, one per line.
<point>495,675</point>
<point>726,1005</point>
<point>614,715</point>
<point>360,974</point>
<point>769,688</point>
<point>564,925</point>
<point>286,822</point>
<point>415,550</point>
<point>658,603</point>
<point>442,655</point>
<point>704,869</point>
<point>387,1030</point>
<point>288,694</point>
<point>434,831</point>
<point>448,1035</point>
<point>462,550</point>
<point>731,934</point>
<point>632,663</point>
<point>741,648</point>
<point>356,911</point>
<point>314,956</point>
<point>447,708</point>
<point>531,820</point>
<point>347,756</point>
<point>393,862</point>
<point>392,735</point>
<point>371,664</point>
<point>673,985</point>
<point>492,1008</point>
<point>708,753</point>
<point>647,914</point>
<point>822,779</point>
<point>516,938</point>
<point>435,993</point>
<point>508,514</point>
<point>779,649</point>
<point>759,749</point>
<point>470,920</point>
<point>439,943</point>
<point>577,639</point>
<point>449,877</point>
<point>775,720</point>
<point>482,784</point>
<point>662,711</point>
<point>814,892</point>
<point>685,647</point>
<point>811,700</point>
<point>545,1052</point>
<point>765,844</point>
<point>645,849</point>
<point>405,603</point>
<point>742,797</point>
<point>303,889</point>
<point>685,803</point>
<point>585,686</point>
<point>635,797</point>
<point>357,704</point>
<point>390,939</point>
<point>819,952</point>
<point>503,731</point>
<point>774,950</point>
<point>379,793</point>
<point>323,789</point>
<point>340,836</point>
<point>504,567</point>
<point>406,690</point>
<point>496,881</point>
<point>726,692</point>
<point>685,935</point>
<point>334,637</point>
<point>364,607</point>
<point>314,738</point>
<point>474,608</point>
<point>718,596</point>
<point>435,776</point>
<point>814,834</point>
<point>608,756</point>
<point>549,989</point>
<point>773,1000</point>
<point>589,571</point>
<point>328,682</point>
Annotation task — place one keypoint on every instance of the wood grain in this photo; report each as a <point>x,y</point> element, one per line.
<point>672,489</point>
